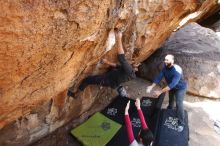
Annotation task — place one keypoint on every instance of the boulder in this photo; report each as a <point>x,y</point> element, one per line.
<point>197,51</point>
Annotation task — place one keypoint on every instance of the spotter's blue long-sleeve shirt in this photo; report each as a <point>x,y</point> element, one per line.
<point>173,77</point>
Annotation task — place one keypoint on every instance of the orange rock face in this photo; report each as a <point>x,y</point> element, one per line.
<point>47,46</point>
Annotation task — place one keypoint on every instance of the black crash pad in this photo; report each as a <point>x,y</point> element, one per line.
<point>115,111</point>
<point>167,133</point>
<point>151,105</point>
<point>121,136</point>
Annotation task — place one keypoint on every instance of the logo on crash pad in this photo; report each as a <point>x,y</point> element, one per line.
<point>136,122</point>
<point>112,111</point>
<point>105,126</point>
<point>171,123</point>
<point>146,102</point>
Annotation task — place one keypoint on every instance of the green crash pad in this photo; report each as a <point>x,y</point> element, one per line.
<point>98,130</point>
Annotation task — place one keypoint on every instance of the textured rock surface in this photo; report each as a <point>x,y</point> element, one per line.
<point>196,50</point>
<point>48,45</point>
<point>201,123</point>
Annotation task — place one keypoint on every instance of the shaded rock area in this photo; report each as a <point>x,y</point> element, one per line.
<point>197,51</point>
<point>201,119</point>
<point>49,45</point>
<point>212,22</point>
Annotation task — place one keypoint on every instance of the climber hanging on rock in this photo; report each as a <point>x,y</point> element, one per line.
<point>118,73</point>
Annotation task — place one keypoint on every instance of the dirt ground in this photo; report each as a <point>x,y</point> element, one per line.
<point>202,114</point>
